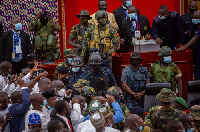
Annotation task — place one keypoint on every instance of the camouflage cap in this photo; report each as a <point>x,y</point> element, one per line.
<point>97,120</point>
<point>101,13</point>
<point>195,112</point>
<point>181,101</point>
<point>165,51</point>
<point>136,55</point>
<point>115,91</point>
<point>69,52</point>
<point>166,95</point>
<point>84,13</point>
<point>94,106</point>
<point>88,91</point>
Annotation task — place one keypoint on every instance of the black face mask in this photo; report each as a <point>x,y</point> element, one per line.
<point>65,81</point>
<point>192,10</point>
<point>96,67</point>
<point>135,63</point>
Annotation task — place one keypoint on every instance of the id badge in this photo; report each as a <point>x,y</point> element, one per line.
<point>137,34</point>
<point>13,55</point>
<point>18,49</point>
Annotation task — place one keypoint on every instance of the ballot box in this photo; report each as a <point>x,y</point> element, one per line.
<point>146,46</point>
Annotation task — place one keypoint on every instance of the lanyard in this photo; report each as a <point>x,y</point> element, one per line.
<point>15,38</point>
<point>126,13</point>
<point>133,27</point>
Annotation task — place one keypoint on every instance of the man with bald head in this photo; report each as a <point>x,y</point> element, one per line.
<point>135,123</point>
<point>15,45</point>
<point>44,84</point>
<point>188,24</point>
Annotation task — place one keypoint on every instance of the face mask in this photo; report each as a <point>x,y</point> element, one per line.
<point>85,108</point>
<point>8,76</point>
<point>76,69</point>
<point>192,10</point>
<point>18,26</point>
<point>69,60</point>
<point>191,130</point>
<point>128,3</point>
<point>110,124</point>
<point>139,127</point>
<point>135,63</point>
<point>50,108</point>
<point>44,103</point>
<point>196,21</point>
<point>96,67</point>
<point>106,105</point>
<point>167,59</point>
<point>132,16</point>
<point>61,92</point>
<point>162,17</point>
<point>184,130</point>
<point>28,81</point>
<point>104,131</point>
<point>103,21</point>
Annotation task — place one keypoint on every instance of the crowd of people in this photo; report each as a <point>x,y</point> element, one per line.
<point>83,95</point>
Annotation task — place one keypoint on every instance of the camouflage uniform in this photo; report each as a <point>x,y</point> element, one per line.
<point>168,74</point>
<point>67,53</point>
<point>161,117</point>
<point>195,112</point>
<point>104,38</point>
<point>75,33</point>
<point>46,46</point>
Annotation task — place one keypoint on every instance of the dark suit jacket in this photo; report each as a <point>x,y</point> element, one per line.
<point>6,45</point>
<point>1,29</point>
<point>120,16</point>
<point>128,34</point>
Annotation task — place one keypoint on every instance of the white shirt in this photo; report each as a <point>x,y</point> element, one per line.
<point>46,112</point>
<point>65,119</point>
<point>43,118</point>
<point>3,82</point>
<point>19,43</point>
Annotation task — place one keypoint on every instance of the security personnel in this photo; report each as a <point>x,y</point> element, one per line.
<point>102,36</point>
<point>188,25</point>
<point>134,79</point>
<point>46,46</point>
<point>77,33</point>
<point>165,71</point>
<point>69,53</point>
<point>100,78</point>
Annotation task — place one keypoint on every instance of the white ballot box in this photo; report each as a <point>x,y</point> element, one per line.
<point>146,46</point>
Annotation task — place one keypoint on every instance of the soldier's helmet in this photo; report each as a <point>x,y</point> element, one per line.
<point>116,92</point>
<point>136,55</point>
<point>84,13</point>
<point>100,14</point>
<point>95,59</point>
<point>88,91</point>
<point>77,61</point>
<point>165,51</point>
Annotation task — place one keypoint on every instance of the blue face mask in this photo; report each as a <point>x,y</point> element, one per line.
<point>69,60</point>
<point>191,130</point>
<point>106,105</point>
<point>44,103</point>
<point>184,130</point>
<point>18,26</point>
<point>140,128</point>
<point>76,69</point>
<point>8,76</point>
<point>110,124</point>
<point>196,21</point>
<point>162,17</point>
<point>128,3</point>
<point>28,81</point>
<point>50,108</point>
<point>132,16</point>
<point>118,101</point>
<point>104,131</point>
<point>167,59</point>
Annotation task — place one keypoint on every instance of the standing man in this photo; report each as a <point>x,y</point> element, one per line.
<point>136,26</point>
<point>102,6</point>
<point>46,46</point>
<point>102,36</point>
<point>165,71</point>
<point>134,78</point>
<point>15,45</point>
<point>77,33</point>
<point>188,24</point>
<point>167,28</point>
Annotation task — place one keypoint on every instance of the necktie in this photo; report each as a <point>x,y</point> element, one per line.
<point>70,125</point>
<point>18,56</point>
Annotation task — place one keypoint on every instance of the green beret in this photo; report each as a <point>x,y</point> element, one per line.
<point>181,101</point>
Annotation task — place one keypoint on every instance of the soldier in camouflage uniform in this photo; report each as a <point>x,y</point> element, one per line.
<point>195,112</point>
<point>101,36</point>
<point>165,71</point>
<point>162,116</point>
<point>45,46</point>
<point>117,93</point>
<point>69,53</point>
<point>77,33</point>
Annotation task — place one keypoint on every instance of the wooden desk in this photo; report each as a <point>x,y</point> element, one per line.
<point>50,68</point>
<point>184,61</point>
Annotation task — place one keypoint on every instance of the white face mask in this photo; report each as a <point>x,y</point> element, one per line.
<point>61,92</point>
<point>162,17</point>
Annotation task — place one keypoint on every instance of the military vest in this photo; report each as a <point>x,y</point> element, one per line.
<point>101,38</point>
<point>99,83</point>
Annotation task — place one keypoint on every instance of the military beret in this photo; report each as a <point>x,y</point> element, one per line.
<point>181,101</point>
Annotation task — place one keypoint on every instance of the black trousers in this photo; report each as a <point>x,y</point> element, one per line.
<point>18,66</point>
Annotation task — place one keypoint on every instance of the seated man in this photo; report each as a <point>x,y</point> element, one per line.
<point>165,71</point>
<point>195,112</point>
<point>135,27</point>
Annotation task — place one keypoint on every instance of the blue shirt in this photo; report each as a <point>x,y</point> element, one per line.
<point>118,116</point>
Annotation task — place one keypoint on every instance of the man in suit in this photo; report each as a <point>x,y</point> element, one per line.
<point>102,5</point>
<point>15,45</point>
<point>1,29</point>
<point>135,24</point>
<point>121,14</point>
